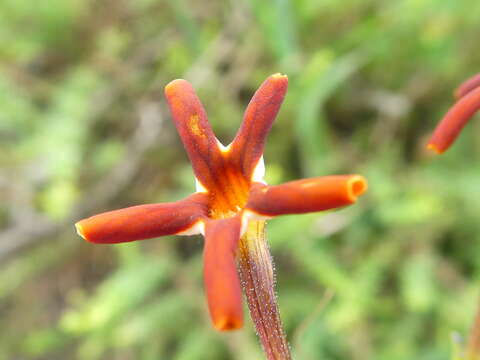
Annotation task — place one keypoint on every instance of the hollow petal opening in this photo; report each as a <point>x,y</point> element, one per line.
<point>357,185</point>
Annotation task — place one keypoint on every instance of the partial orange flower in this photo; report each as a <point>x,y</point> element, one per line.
<point>230,194</point>
<point>468,103</point>
<point>446,132</point>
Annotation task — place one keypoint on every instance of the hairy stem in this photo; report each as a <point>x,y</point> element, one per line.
<point>256,273</point>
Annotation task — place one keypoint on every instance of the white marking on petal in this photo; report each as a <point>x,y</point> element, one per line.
<point>244,219</point>
<point>79,230</point>
<point>253,215</point>
<point>199,186</point>
<point>259,171</point>
<point>197,228</point>
<point>223,149</point>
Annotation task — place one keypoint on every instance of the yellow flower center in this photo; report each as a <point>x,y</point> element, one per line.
<point>230,194</point>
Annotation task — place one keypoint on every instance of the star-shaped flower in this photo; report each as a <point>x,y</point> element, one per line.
<point>230,193</point>
<point>468,103</point>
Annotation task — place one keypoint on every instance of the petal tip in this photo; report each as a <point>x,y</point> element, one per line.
<point>279,79</point>
<point>172,85</point>
<point>357,187</point>
<point>435,148</point>
<point>279,76</point>
<point>80,230</point>
<point>227,323</point>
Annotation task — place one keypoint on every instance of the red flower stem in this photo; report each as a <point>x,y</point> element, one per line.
<point>473,345</point>
<point>256,273</point>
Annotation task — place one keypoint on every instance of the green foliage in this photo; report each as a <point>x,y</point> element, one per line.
<point>389,278</point>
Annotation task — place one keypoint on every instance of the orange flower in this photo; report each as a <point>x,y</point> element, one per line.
<point>230,193</point>
<point>468,103</point>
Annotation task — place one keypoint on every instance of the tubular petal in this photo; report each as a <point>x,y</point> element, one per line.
<point>192,125</point>
<point>467,86</point>
<point>143,221</point>
<point>221,280</point>
<point>453,122</point>
<point>247,147</point>
<point>308,195</point>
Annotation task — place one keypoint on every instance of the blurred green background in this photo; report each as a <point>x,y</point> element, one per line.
<point>84,128</point>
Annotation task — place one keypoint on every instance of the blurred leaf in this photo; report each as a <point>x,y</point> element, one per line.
<point>418,282</point>
<point>320,78</point>
<point>117,296</point>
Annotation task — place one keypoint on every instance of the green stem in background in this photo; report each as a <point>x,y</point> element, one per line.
<point>473,345</point>
<point>255,268</point>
